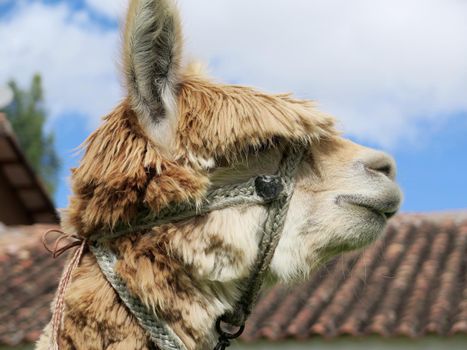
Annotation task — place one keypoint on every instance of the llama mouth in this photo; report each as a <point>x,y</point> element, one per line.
<point>385,215</point>
<point>385,209</point>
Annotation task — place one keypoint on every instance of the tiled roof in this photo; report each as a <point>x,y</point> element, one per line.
<point>29,277</point>
<point>410,283</point>
<point>26,187</point>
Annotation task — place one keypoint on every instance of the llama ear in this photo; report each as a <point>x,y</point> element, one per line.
<point>152,62</point>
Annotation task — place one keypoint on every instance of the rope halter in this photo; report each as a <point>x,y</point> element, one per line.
<point>274,191</point>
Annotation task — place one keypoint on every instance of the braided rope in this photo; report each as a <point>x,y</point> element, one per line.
<point>65,280</point>
<point>221,198</point>
<point>158,330</point>
<point>270,239</point>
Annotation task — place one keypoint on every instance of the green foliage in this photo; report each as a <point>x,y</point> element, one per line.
<point>27,116</point>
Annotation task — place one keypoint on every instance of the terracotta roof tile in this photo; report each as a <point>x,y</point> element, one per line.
<point>29,280</point>
<point>411,282</point>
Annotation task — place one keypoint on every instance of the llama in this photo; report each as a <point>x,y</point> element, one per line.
<point>177,137</point>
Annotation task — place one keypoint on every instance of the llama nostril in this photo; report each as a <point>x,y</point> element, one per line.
<point>380,162</point>
<point>385,169</point>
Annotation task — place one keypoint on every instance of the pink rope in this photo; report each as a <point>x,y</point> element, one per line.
<point>59,307</point>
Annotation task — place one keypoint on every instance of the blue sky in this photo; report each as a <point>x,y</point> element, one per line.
<point>393,72</point>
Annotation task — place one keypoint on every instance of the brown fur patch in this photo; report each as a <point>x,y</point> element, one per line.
<point>95,318</point>
<point>122,172</point>
<point>223,120</point>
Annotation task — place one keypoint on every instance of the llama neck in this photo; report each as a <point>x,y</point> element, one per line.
<point>189,273</point>
<point>95,317</point>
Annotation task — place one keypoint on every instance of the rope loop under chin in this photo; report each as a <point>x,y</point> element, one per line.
<point>225,336</point>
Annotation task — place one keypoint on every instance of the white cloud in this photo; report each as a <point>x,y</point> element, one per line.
<point>111,8</point>
<point>382,67</point>
<point>77,59</point>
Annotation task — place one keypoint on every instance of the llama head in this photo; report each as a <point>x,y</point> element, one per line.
<point>179,134</point>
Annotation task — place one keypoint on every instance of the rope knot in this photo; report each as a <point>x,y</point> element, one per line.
<point>57,251</point>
